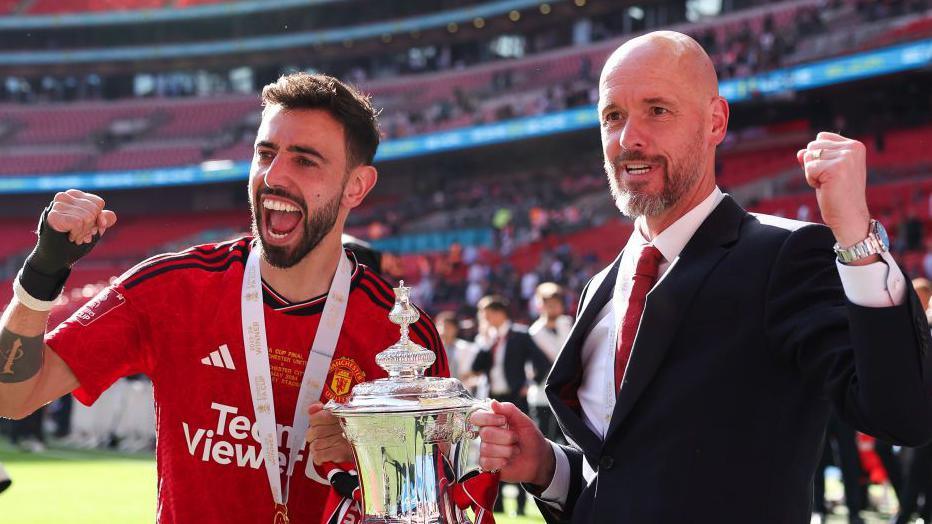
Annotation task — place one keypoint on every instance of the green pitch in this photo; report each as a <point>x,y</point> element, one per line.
<point>80,487</point>
<point>94,487</point>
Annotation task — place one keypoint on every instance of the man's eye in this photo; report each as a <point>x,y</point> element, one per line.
<point>657,110</point>
<point>264,155</point>
<point>612,116</point>
<point>305,162</point>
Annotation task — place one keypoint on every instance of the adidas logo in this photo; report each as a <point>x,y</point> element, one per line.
<point>220,358</point>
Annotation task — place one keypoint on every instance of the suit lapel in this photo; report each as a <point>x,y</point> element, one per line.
<point>566,375</point>
<point>669,300</point>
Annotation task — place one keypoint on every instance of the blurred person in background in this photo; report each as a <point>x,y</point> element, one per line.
<point>841,449</point>
<point>29,433</point>
<point>504,351</point>
<point>460,352</point>
<point>549,332</point>
<point>5,480</point>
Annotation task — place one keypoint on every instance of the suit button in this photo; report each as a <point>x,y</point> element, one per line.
<point>606,462</point>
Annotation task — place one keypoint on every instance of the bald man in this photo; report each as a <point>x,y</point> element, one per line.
<point>696,383</point>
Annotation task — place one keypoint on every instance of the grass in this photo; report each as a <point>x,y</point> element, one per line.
<point>100,487</point>
<point>97,487</point>
<point>77,487</point>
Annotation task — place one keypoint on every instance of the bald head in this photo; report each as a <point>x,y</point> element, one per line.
<point>671,53</point>
<point>662,119</point>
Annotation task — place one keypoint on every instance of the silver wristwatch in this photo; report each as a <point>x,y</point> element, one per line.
<point>876,242</point>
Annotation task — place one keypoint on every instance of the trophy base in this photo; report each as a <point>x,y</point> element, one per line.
<point>415,519</point>
<point>406,520</point>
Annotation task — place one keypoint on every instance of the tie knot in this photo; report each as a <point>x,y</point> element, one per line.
<point>649,262</point>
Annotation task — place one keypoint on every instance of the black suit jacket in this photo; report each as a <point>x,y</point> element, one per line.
<point>519,350</point>
<point>743,347</point>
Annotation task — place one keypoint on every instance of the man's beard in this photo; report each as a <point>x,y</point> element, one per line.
<point>679,178</point>
<point>316,227</point>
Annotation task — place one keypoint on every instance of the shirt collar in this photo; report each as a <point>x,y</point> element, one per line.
<point>672,240</point>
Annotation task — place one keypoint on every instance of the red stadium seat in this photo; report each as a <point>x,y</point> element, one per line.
<point>44,7</point>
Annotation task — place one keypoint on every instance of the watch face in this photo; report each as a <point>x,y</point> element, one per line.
<point>882,235</point>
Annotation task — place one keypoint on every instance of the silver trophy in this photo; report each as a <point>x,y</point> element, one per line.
<point>410,433</point>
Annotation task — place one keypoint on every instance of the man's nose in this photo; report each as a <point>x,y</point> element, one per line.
<point>632,136</point>
<point>274,173</point>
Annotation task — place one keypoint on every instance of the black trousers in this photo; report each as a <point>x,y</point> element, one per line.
<point>547,423</point>
<point>891,463</point>
<point>29,427</point>
<point>840,442</point>
<point>521,402</point>
<point>918,481</point>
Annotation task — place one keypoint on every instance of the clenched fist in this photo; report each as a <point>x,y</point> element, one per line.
<point>68,229</point>
<point>81,215</point>
<point>836,168</point>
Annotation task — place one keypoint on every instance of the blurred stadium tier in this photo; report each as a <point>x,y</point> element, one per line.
<point>490,167</point>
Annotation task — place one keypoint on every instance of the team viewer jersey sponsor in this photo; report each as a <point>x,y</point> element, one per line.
<point>176,318</point>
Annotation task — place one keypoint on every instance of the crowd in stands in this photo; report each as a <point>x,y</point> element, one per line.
<point>156,132</point>
<point>751,44</point>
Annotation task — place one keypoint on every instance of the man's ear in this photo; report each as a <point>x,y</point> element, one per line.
<point>360,181</point>
<point>720,112</point>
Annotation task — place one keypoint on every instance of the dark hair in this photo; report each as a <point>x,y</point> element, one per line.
<point>365,253</point>
<point>446,317</point>
<point>493,303</point>
<point>345,103</point>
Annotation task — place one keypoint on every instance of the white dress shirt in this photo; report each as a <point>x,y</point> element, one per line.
<point>497,343</point>
<point>874,285</point>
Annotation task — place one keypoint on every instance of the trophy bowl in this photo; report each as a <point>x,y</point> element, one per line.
<point>410,433</point>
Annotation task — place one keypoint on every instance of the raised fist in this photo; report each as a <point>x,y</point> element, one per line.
<point>81,215</point>
<point>836,168</point>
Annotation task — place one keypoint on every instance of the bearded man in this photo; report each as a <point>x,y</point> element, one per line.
<point>697,381</point>
<point>241,339</point>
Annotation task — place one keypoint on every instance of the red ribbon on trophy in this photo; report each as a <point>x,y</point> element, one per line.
<point>477,490</point>
<point>344,504</point>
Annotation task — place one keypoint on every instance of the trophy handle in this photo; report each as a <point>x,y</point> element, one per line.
<point>472,431</point>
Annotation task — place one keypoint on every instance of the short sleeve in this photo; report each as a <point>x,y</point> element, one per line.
<point>424,332</point>
<point>101,343</point>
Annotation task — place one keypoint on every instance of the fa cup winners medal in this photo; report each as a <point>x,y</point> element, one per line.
<point>260,375</point>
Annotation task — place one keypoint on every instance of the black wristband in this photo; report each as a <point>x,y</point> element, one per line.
<point>40,285</point>
<point>47,268</point>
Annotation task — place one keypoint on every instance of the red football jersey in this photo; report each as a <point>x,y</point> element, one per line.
<point>176,318</point>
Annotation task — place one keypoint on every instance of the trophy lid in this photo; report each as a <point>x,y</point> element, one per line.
<point>406,389</point>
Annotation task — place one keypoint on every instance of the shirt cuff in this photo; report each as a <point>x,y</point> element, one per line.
<point>880,284</point>
<point>556,493</point>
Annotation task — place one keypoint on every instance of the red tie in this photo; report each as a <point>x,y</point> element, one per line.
<point>644,277</point>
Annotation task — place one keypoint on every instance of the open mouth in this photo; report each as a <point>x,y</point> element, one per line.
<point>637,169</point>
<point>280,217</point>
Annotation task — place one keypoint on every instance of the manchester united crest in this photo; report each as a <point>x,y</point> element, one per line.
<point>344,374</point>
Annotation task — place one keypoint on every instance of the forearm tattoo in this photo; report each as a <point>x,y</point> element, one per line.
<point>20,356</point>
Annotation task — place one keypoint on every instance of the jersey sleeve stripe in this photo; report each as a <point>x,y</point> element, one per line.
<point>381,286</point>
<point>139,279</point>
<point>376,298</point>
<point>187,258</point>
<point>425,329</point>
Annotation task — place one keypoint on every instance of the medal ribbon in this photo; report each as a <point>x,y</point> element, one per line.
<point>315,372</point>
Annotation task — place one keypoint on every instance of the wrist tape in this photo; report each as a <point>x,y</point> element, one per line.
<point>47,268</point>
